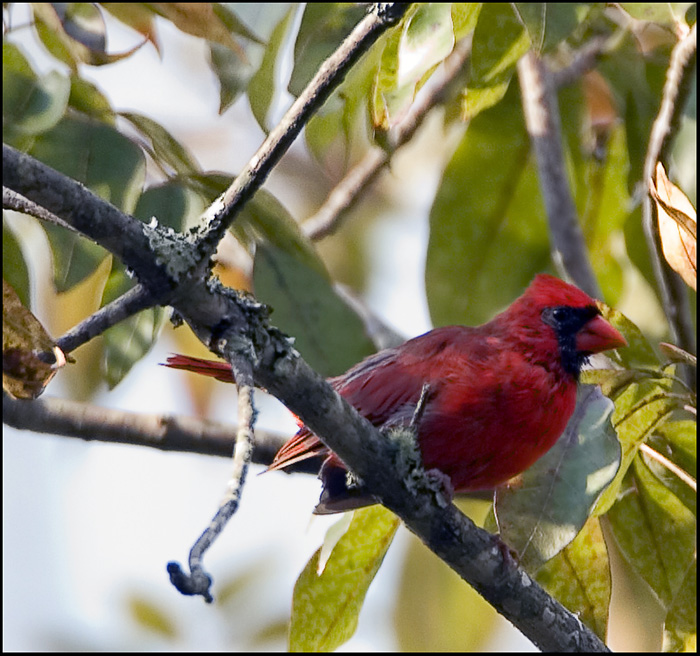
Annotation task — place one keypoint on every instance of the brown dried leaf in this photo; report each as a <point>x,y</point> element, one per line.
<point>30,357</point>
<point>677,226</point>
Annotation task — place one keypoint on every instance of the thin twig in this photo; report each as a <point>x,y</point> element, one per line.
<point>582,60</point>
<point>223,211</point>
<point>671,466</point>
<point>679,76</point>
<point>136,299</point>
<point>198,581</point>
<point>329,216</point>
<point>165,432</point>
<point>11,200</point>
<point>542,120</point>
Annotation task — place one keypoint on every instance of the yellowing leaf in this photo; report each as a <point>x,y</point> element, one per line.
<point>677,226</point>
<point>201,20</point>
<point>325,607</point>
<point>30,357</point>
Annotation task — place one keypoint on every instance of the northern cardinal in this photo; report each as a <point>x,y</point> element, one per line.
<point>496,397</point>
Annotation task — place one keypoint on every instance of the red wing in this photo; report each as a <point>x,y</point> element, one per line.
<point>213,368</point>
<point>300,447</point>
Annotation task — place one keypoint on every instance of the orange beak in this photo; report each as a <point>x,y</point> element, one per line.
<point>598,336</point>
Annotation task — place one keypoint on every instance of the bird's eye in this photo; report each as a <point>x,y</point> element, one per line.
<point>555,316</point>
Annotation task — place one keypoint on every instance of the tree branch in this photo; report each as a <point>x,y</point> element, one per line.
<point>329,216</point>
<point>198,581</point>
<point>542,120</point>
<point>11,200</point>
<point>223,211</point>
<point>674,293</point>
<point>175,433</point>
<point>136,299</point>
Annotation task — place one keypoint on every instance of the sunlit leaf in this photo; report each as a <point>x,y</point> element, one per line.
<point>30,104</point>
<point>639,410</point>
<point>434,611</point>
<point>681,625</point>
<point>325,607</point>
<point>655,532</point>
<point>669,13</point>
<point>579,578</point>
<point>544,511</point>
<point>499,41</point>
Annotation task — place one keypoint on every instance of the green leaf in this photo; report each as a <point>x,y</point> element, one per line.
<point>14,267</point>
<point>128,341</point>
<point>408,58</point>
<point>172,203</point>
<point>427,38</point>
<point>327,333</point>
<point>74,256</point>
<point>637,84</point>
<point>677,442</point>
<point>549,23</point>
<point>638,353</point>
<point>169,152</point>
<point>323,28</point>
<point>544,512</point>
<point>663,13</point>
<point>681,625</point>
<point>487,222</point>
<point>655,532</point>
<point>339,131</point>
<point>232,71</point>
<point>149,616</point>
<point>639,409</point>
<point>261,89</point>
<point>207,21</point>
<point>579,578</point>
<point>30,104</point>
<point>265,219</point>
<point>97,155</point>
<point>138,16</point>
<point>85,97</point>
<point>464,18</point>
<point>326,606</point>
<point>499,41</point>
<point>434,611</point>
<point>107,163</point>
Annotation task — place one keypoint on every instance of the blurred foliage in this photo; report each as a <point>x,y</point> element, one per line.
<point>487,238</point>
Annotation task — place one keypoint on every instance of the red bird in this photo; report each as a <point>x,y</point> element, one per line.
<point>498,396</point>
